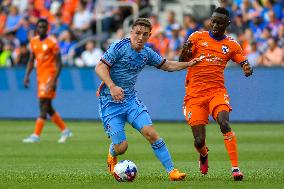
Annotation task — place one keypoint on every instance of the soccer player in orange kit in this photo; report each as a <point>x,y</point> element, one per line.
<point>205,90</point>
<point>46,54</point>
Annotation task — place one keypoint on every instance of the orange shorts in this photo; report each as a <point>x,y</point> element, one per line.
<point>44,86</point>
<point>197,110</point>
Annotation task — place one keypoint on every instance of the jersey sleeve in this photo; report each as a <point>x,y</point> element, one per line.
<point>238,55</point>
<point>55,46</point>
<point>193,38</point>
<point>110,56</point>
<point>154,59</point>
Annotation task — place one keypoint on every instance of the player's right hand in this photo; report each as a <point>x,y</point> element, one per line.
<point>247,69</point>
<point>26,82</point>
<point>117,93</point>
<point>194,61</point>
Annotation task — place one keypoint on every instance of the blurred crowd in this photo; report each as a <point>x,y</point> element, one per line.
<point>258,25</point>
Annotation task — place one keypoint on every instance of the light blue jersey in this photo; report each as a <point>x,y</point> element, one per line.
<point>125,64</point>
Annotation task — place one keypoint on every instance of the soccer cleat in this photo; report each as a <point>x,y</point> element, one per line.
<point>65,135</point>
<point>175,175</point>
<point>31,139</point>
<point>203,164</point>
<point>111,162</point>
<point>237,174</point>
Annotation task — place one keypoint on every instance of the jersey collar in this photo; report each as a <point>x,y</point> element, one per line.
<point>217,38</point>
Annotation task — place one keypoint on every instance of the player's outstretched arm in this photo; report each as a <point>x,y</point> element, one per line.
<point>176,66</point>
<point>116,92</point>
<point>186,52</point>
<point>29,69</point>
<point>247,69</point>
<point>59,67</point>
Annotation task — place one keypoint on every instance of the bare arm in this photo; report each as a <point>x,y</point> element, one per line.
<point>176,66</point>
<point>186,52</point>
<point>59,67</point>
<point>116,92</point>
<point>29,69</point>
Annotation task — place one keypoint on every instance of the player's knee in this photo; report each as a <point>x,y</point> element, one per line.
<point>223,121</point>
<point>150,134</point>
<point>43,108</point>
<point>224,125</point>
<point>121,148</point>
<point>225,128</point>
<point>50,111</point>
<point>199,142</point>
<point>43,113</point>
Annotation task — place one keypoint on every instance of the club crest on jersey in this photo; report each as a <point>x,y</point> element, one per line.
<point>225,49</point>
<point>44,47</point>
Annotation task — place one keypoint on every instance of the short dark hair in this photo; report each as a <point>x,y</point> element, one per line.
<point>222,10</point>
<point>42,20</point>
<point>143,22</point>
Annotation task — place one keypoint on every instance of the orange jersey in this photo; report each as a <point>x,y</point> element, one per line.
<point>45,52</point>
<point>208,75</point>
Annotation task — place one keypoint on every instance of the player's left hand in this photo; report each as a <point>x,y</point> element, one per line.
<point>247,69</point>
<point>26,82</point>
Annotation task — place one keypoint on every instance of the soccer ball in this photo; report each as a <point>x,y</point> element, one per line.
<point>125,171</point>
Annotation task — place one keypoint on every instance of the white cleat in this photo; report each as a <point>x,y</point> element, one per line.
<point>65,135</point>
<point>31,139</point>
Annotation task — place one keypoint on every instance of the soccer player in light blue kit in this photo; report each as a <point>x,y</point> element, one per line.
<point>118,69</point>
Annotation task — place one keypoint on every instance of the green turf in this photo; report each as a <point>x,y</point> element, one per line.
<point>81,162</point>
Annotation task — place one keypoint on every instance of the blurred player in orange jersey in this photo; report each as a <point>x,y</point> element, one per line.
<point>205,90</point>
<point>46,54</point>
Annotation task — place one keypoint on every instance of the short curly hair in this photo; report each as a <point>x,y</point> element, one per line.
<point>222,10</point>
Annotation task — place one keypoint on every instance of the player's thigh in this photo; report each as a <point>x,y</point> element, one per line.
<point>138,115</point>
<point>114,128</point>
<point>113,117</point>
<point>195,114</point>
<point>142,120</point>
<point>220,102</point>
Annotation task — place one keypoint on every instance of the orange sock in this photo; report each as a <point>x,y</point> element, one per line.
<point>39,126</point>
<point>55,118</point>
<point>230,141</point>
<point>203,151</point>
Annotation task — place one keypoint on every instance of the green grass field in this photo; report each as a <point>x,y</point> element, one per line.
<point>81,162</point>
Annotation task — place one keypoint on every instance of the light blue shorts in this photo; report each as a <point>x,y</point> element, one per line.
<point>115,115</point>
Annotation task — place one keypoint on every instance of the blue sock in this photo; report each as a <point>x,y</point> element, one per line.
<point>162,153</point>
<point>111,149</point>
